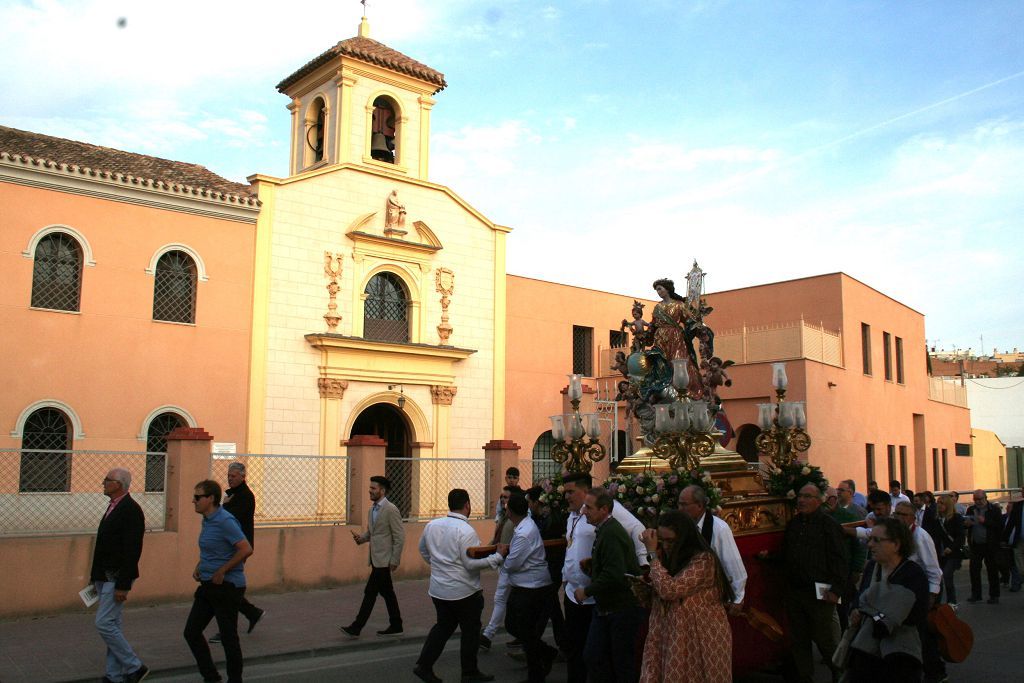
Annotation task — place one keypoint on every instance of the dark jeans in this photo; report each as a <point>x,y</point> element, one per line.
<point>986,554</point>
<point>220,602</point>
<point>611,643</point>
<point>810,620</point>
<point>247,609</point>
<point>949,569</point>
<point>463,614</point>
<point>577,625</point>
<point>896,668</point>
<point>379,583</point>
<point>526,615</point>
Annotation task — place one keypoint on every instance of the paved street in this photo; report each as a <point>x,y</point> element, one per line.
<point>299,641</point>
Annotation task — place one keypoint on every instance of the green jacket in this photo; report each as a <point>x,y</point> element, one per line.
<point>613,556</point>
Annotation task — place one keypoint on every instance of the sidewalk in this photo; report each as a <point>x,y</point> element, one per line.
<point>67,648</point>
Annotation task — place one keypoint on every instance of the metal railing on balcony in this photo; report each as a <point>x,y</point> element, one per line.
<point>949,391</point>
<point>47,492</point>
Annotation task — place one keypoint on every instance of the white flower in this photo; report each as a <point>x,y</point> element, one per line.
<point>655,498</point>
<point>805,471</point>
<point>640,490</point>
<point>790,494</point>
<point>560,489</point>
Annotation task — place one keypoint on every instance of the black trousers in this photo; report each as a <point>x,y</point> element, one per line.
<point>379,583</point>
<point>247,609</point>
<point>221,602</point>
<point>987,554</point>
<point>526,615</point>
<point>463,614</point>
<point>577,625</point>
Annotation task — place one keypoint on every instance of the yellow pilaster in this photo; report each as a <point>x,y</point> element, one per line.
<point>342,134</point>
<point>267,190</point>
<point>498,421</point>
<point>426,104</point>
<point>293,165</point>
<point>441,397</point>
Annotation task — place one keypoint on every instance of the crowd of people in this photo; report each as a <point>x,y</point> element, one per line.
<point>650,605</point>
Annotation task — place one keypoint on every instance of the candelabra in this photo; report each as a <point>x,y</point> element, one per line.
<point>682,427</point>
<point>576,447</point>
<point>782,423</point>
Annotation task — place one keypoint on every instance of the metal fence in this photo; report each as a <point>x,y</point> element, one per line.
<point>47,492</point>
<point>292,490</point>
<point>420,486</point>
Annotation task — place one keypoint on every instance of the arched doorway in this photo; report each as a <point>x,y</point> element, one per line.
<point>388,422</point>
<point>745,445</point>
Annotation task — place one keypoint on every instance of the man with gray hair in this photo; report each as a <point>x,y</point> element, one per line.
<point>693,501</point>
<point>241,503</point>
<point>115,566</point>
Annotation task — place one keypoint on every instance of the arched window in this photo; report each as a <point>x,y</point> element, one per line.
<point>384,130</point>
<point>543,466</point>
<point>156,448</point>
<point>386,311</point>
<point>316,130</point>
<point>57,273</point>
<point>174,288</point>
<point>45,464</point>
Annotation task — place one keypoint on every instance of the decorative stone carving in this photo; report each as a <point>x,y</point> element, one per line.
<point>394,216</point>
<point>331,388</point>
<point>442,395</point>
<point>445,281</point>
<point>332,268</point>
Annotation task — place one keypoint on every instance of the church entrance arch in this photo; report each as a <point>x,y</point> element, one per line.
<point>386,421</point>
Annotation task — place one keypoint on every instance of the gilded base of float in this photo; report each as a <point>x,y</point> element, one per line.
<point>722,460</point>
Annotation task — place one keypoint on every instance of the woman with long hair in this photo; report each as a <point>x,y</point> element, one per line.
<point>950,536</point>
<point>688,638</point>
<point>893,603</point>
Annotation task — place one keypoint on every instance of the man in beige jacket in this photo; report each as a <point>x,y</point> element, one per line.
<point>386,536</point>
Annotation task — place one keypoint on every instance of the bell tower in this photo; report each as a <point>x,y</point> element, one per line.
<point>362,102</point>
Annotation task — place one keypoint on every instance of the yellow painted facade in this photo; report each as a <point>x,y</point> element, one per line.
<point>309,382</point>
<point>988,457</point>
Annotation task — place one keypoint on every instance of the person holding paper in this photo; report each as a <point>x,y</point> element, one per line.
<point>817,566</point>
<point>115,566</point>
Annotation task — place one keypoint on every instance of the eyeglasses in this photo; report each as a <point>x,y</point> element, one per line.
<point>196,497</point>
<point>106,479</point>
<point>877,539</point>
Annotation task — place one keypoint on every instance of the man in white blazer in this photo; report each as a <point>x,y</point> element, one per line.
<point>386,537</point>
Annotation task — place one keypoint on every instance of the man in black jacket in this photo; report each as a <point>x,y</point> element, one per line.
<point>984,522</point>
<point>1013,538</point>
<point>241,503</point>
<point>115,566</point>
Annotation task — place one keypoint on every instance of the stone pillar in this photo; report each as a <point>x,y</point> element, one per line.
<point>332,391</point>
<point>441,398</point>
<point>365,459</point>
<point>500,455</point>
<point>188,462</point>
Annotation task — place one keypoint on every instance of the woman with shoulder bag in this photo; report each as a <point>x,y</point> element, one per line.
<point>893,602</point>
<point>952,536</point>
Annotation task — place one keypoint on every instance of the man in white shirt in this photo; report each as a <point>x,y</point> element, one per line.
<point>896,493</point>
<point>579,538</point>
<point>634,528</point>
<point>694,502</point>
<point>924,554</point>
<point>528,607</point>
<point>454,588</point>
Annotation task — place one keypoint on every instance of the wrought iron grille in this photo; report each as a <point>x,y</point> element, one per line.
<point>44,464</point>
<point>78,505</point>
<point>386,310</point>
<point>174,288</point>
<point>425,483</point>
<point>156,449</point>
<point>57,273</point>
<point>583,350</point>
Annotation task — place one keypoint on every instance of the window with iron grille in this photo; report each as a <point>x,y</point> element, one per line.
<point>543,466</point>
<point>617,338</point>
<point>57,273</point>
<point>890,452</point>
<point>386,310</point>
<point>47,429</point>
<point>869,461</point>
<point>156,448</point>
<point>583,350</point>
<point>174,288</point>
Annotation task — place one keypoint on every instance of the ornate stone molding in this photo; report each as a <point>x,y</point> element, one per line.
<point>332,269</point>
<point>442,395</point>
<point>331,388</point>
<point>444,279</point>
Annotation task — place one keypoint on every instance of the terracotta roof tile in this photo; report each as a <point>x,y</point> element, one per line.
<point>370,50</point>
<point>94,160</point>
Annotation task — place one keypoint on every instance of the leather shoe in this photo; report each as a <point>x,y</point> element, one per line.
<point>350,631</point>
<point>425,675</point>
<point>391,631</point>
<point>256,620</point>
<point>485,643</point>
<point>993,601</point>
<point>477,677</point>
<point>137,675</point>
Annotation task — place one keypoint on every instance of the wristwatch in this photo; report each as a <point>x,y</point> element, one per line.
<point>651,557</point>
<point>878,617</point>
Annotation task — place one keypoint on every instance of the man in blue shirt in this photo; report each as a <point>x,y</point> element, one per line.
<point>221,576</point>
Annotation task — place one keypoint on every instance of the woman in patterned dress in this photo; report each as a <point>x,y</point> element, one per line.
<point>689,640</point>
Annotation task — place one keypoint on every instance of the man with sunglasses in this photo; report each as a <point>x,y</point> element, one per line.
<point>223,548</point>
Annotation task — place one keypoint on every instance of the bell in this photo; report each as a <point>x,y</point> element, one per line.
<point>379,148</point>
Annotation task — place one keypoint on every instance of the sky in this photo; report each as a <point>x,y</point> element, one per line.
<point>620,141</point>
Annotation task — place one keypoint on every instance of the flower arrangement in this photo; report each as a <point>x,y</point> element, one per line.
<point>553,496</point>
<point>648,494</point>
<point>788,479</point>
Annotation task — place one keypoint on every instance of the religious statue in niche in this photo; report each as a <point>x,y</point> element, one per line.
<point>444,279</point>
<point>394,216</point>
